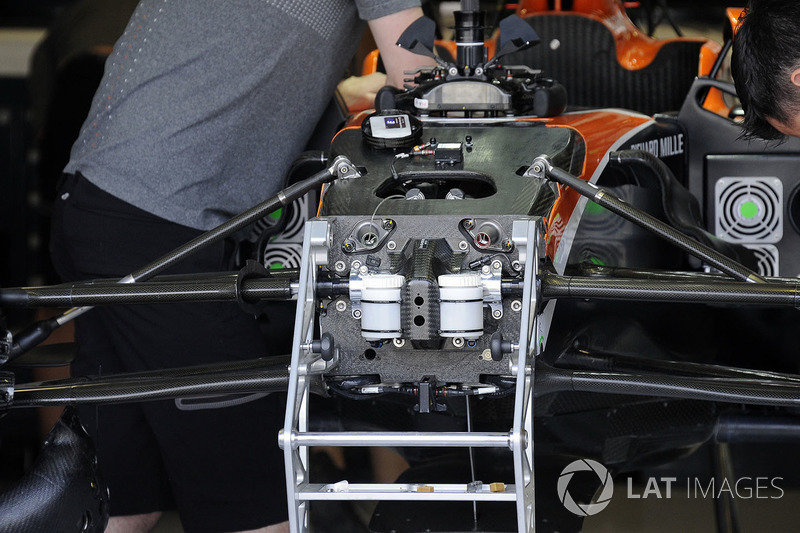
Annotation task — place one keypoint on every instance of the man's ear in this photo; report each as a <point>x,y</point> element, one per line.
<point>796,77</point>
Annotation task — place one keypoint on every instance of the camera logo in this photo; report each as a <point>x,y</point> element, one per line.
<point>585,509</point>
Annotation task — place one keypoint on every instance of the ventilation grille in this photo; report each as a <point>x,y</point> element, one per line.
<point>749,210</point>
<point>767,258</point>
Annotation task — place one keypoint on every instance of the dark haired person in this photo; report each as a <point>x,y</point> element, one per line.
<point>766,68</point>
<point>202,108</point>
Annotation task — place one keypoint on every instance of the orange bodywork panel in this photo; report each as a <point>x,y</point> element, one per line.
<point>734,15</point>
<point>601,132</point>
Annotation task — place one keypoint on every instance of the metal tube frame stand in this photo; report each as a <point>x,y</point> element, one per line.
<point>295,438</point>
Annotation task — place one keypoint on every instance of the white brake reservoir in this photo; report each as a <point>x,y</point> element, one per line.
<point>461,305</point>
<point>380,307</point>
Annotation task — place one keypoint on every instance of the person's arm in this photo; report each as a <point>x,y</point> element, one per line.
<point>386,30</point>
<point>358,92</point>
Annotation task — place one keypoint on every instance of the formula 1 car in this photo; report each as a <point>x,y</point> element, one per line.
<point>534,287</point>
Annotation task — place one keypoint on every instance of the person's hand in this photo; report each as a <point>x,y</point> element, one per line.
<point>358,92</point>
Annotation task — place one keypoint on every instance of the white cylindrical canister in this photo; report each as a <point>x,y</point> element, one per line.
<point>380,307</point>
<point>461,305</point>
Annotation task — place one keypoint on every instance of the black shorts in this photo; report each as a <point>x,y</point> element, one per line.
<point>222,468</point>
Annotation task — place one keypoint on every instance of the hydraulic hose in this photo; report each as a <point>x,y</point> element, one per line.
<point>543,167</point>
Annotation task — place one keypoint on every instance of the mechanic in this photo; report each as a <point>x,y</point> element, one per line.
<point>765,65</point>
<point>202,108</point>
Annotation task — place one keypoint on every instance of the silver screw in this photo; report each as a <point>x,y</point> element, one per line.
<point>486,355</point>
<point>516,265</point>
<point>391,245</point>
<point>497,265</point>
<point>463,245</point>
<point>458,342</point>
<point>356,313</point>
<point>516,305</point>
<point>497,313</point>
<point>339,266</point>
<point>399,343</point>
<point>341,305</point>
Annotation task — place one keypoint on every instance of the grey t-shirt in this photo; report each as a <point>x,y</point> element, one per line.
<point>205,103</point>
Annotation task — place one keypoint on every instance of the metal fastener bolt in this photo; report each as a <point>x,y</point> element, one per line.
<point>356,313</point>
<point>485,269</point>
<point>516,305</point>
<point>341,305</point>
<point>399,343</point>
<point>497,265</point>
<point>458,342</point>
<point>516,265</point>
<point>340,266</point>
<point>355,265</point>
<point>391,245</point>
<point>497,313</point>
<point>463,245</point>
<point>486,355</point>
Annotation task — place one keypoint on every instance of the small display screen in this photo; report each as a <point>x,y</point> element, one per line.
<point>395,122</point>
